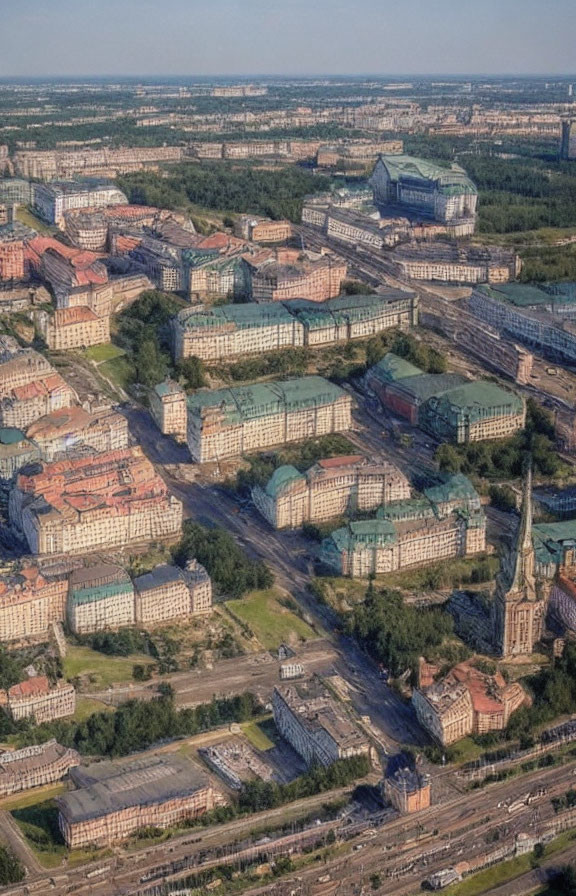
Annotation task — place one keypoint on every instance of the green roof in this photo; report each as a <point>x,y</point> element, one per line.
<point>240,316</point>
<point>548,539</point>
<point>482,395</point>
<point>369,532</point>
<point>79,596</point>
<point>450,181</point>
<point>9,435</point>
<point>423,386</point>
<point>455,486</point>
<point>414,509</point>
<point>248,402</point>
<point>393,368</point>
<point>168,387</point>
<point>280,478</point>
<point>520,294</point>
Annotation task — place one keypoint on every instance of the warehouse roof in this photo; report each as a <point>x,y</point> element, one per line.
<point>423,386</point>
<point>108,787</point>
<point>482,395</point>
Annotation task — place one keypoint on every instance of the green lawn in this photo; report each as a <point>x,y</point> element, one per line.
<point>106,669</point>
<point>38,823</point>
<point>27,217</point>
<point>118,370</point>
<point>31,797</point>
<point>271,622</point>
<point>106,352</point>
<point>86,707</point>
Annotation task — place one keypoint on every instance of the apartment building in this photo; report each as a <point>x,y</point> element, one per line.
<point>91,163</point>
<point>70,431</point>
<point>229,422</point>
<point>568,140</point>
<point>472,412</point>
<point>30,603</point>
<point>262,230</point>
<point>114,799</point>
<point>52,200</point>
<point>414,538</point>
<point>168,593</point>
<point>15,451</point>
<point>169,409</point>
<point>35,766</point>
<point>280,274</point>
<point>36,699</point>
<point>345,153</point>
<point>29,386</point>
<point>331,488</point>
<point>99,598</point>
<point>226,331</point>
<point>68,328</point>
<point>425,189</point>
<point>467,701</point>
<point>89,503</point>
<point>212,276</point>
<point>314,724</point>
<point>455,263</point>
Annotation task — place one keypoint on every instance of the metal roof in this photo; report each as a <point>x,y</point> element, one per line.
<point>453,180</point>
<point>159,576</point>
<point>280,478</point>
<point>393,368</point>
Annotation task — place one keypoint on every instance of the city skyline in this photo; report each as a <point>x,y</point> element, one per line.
<point>176,38</point>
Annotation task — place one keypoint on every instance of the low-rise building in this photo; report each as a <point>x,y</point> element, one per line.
<point>29,386</point>
<point>472,412</point>
<point>168,592</point>
<point>88,503</point>
<point>315,725</point>
<point>226,331</point>
<point>406,788</point>
<point>446,263</point>
<point>67,328</point>
<point>35,766</point>
<point>99,598</point>
<point>114,799</point>
<point>37,700</point>
<point>262,230</point>
<point>229,422</point>
<point>330,488</point>
<point>467,701</point>
<point>280,274</point>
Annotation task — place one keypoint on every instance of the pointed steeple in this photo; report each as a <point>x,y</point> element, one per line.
<point>521,569</point>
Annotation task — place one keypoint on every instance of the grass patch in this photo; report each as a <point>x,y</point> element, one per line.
<point>85,707</point>
<point>31,797</point>
<point>38,823</point>
<point>119,371</point>
<point>272,622</point>
<point>106,352</point>
<point>103,670</point>
<point>27,217</point>
<point>257,735</point>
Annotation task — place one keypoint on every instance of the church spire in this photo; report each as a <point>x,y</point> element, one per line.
<point>522,565</point>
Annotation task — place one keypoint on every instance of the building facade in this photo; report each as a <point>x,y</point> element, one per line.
<point>30,604</point>
<point>37,700</point>
<point>35,766</point>
<point>229,422</point>
<point>168,592</point>
<point>281,274</point>
<point>99,598</point>
<point>331,488</point>
<point>169,410</point>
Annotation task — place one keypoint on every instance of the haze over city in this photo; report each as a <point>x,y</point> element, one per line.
<point>181,37</point>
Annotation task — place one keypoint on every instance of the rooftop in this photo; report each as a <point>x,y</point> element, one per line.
<point>393,368</point>
<point>159,576</point>
<point>107,787</point>
<point>449,180</point>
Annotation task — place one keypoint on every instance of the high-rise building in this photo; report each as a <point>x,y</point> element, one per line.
<point>568,144</point>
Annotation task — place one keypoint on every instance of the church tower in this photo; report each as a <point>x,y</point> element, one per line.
<point>520,600</point>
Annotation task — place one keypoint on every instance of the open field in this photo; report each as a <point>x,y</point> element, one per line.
<point>102,670</point>
<point>27,217</point>
<point>32,797</point>
<point>118,370</point>
<point>106,352</point>
<point>270,621</point>
<point>85,707</point>
<point>256,733</point>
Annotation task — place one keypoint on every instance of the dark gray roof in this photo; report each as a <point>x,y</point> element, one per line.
<point>161,575</point>
<point>107,787</point>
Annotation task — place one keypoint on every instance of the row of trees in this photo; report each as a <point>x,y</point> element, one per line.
<point>138,724</point>
<point>394,633</point>
<point>406,346</point>
<point>228,566</point>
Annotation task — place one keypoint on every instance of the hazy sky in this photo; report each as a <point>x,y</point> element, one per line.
<point>98,37</point>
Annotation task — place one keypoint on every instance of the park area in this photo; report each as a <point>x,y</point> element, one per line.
<point>272,617</point>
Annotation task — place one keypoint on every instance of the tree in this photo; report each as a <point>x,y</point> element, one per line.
<point>150,366</point>
<point>193,372</point>
<point>11,869</point>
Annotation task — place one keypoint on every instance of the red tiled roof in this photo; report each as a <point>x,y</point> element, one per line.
<point>342,461</point>
<point>30,687</point>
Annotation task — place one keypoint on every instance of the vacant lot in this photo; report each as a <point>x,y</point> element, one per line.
<point>271,618</point>
<point>104,352</point>
<point>101,670</point>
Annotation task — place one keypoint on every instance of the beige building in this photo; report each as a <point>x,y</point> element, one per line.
<point>35,766</point>
<point>314,724</point>
<point>69,431</point>
<point>168,592</point>
<point>30,604</point>
<point>467,701</point>
<point>78,327</point>
<point>281,274</point>
<point>262,230</point>
<point>89,503</point>
<point>225,331</point>
<point>35,699</point>
<point>229,422</point>
<point>99,598</point>
<point>380,546</point>
<point>331,488</point>
<point>456,264</point>
<point>29,386</point>
<point>169,410</point>
<point>115,799</point>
